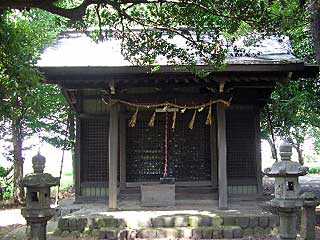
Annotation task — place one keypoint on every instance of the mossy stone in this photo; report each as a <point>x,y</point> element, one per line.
<point>237,232</point>
<point>63,224</point>
<point>95,233</point>
<point>258,231</point>
<point>264,221</point>
<point>65,234</point>
<point>268,231</point>
<point>73,224</point>
<point>107,222</point>
<point>180,221</point>
<point>123,234</point>
<point>193,221</point>
<point>157,222</point>
<point>217,221</point>
<point>248,232</point>
<point>207,233</point>
<point>242,221</point>
<point>86,232</point>
<point>57,232</point>
<point>254,221</point>
<point>75,234</point>
<point>186,233</point>
<point>82,223</point>
<point>147,233</point>
<point>168,221</point>
<point>197,233</point>
<point>217,233</point>
<point>228,220</point>
<point>205,221</point>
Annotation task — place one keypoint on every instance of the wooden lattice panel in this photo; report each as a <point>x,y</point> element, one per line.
<point>188,150</point>
<point>94,150</point>
<point>241,143</point>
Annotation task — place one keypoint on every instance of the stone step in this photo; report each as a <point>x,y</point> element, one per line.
<point>218,232</point>
<point>185,221</point>
<point>251,221</point>
<point>170,226</point>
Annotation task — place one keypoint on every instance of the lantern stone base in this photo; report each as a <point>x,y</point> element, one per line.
<point>37,221</point>
<point>288,223</point>
<point>158,195</point>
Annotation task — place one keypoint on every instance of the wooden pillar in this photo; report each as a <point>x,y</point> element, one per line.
<point>222,156</point>
<point>77,160</point>
<point>113,156</point>
<point>214,154</point>
<point>123,148</point>
<point>258,151</point>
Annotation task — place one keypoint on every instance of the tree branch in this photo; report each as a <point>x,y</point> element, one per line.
<point>78,12</point>
<point>49,5</point>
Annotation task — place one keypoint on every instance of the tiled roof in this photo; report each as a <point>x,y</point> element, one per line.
<point>77,49</point>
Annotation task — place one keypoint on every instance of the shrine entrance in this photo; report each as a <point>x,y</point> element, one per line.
<point>188,150</point>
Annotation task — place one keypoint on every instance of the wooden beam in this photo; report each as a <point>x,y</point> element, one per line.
<point>222,156</point>
<point>113,156</point>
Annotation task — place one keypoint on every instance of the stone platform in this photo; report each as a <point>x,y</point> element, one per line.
<point>166,224</point>
<point>193,217</point>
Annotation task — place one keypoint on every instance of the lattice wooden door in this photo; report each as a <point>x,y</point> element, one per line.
<point>188,150</point>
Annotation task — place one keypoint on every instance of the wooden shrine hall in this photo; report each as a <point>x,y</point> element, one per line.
<point>134,127</point>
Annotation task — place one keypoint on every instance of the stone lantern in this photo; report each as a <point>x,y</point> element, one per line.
<point>287,189</point>
<point>37,210</point>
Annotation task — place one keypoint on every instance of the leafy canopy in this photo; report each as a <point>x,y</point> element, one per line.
<point>206,27</point>
<point>154,24</point>
<point>25,102</point>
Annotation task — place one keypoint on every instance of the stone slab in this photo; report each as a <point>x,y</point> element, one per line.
<point>158,195</point>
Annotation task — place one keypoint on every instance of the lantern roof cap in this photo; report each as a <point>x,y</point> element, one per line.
<point>39,180</point>
<point>286,167</point>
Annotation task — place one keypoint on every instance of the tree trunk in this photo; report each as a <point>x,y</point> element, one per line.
<point>315,27</point>
<point>273,149</point>
<point>271,141</point>
<point>300,153</point>
<point>298,148</point>
<point>18,160</point>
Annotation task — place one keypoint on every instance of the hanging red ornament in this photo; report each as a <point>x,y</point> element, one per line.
<point>165,172</point>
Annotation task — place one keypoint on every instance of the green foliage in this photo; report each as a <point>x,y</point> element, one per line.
<point>294,107</point>
<point>66,183</point>
<point>2,171</point>
<point>68,174</point>
<point>154,25</point>
<point>199,23</point>
<point>8,191</point>
<point>27,106</point>
<point>314,170</point>
<point>294,111</point>
<point>24,99</point>
<point>6,182</point>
